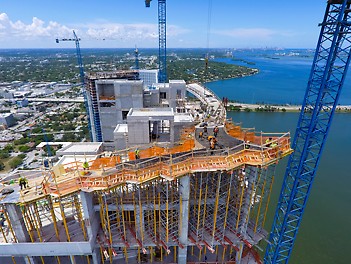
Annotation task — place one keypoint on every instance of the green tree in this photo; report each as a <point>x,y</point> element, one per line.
<point>4,154</point>
<point>2,166</point>
<point>24,148</point>
<point>15,162</point>
<point>8,148</point>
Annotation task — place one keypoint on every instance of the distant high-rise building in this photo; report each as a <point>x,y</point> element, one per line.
<point>149,77</point>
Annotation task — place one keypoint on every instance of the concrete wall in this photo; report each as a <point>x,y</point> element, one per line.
<point>127,94</point>
<point>138,132</point>
<point>174,87</point>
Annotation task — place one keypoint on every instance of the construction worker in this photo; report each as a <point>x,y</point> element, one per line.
<point>85,165</point>
<point>205,129</point>
<point>22,182</point>
<point>209,138</point>
<point>268,142</point>
<point>212,144</point>
<point>201,135</point>
<point>247,144</point>
<point>137,153</point>
<point>215,131</point>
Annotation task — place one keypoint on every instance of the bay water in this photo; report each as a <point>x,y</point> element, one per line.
<point>282,78</point>
<point>325,234</point>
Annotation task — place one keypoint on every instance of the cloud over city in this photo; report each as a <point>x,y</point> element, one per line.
<point>38,30</point>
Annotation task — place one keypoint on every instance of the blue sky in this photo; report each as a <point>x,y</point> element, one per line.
<point>124,24</point>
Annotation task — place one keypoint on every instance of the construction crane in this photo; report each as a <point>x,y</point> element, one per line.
<point>82,78</point>
<point>162,59</point>
<point>326,79</point>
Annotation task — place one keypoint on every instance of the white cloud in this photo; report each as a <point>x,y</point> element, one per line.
<point>39,30</point>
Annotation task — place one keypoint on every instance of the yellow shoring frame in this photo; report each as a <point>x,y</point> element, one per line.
<point>216,208</point>
<point>268,199</point>
<point>135,223</point>
<point>227,202</point>
<point>251,198</point>
<point>29,217</point>
<point>28,222</point>
<point>141,219</point>
<point>259,206</point>
<point>195,192</point>
<point>198,211</point>
<point>124,229</point>
<point>6,241</point>
<point>167,215</point>
<point>204,212</point>
<point>223,253</point>
<point>37,214</point>
<point>79,215</point>
<point>240,204</point>
<point>109,231</point>
<point>159,221</point>
<point>50,203</point>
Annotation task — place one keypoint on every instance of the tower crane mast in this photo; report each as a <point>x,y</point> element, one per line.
<point>82,76</point>
<point>162,59</point>
<point>329,68</point>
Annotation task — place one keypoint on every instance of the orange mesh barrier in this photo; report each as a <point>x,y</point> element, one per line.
<point>105,162</point>
<point>154,151</point>
<point>250,136</point>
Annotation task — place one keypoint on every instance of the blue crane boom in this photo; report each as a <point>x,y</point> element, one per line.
<point>162,47</point>
<point>331,61</point>
<point>82,76</point>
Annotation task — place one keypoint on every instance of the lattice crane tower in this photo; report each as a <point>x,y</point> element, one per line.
<point>326,79</point>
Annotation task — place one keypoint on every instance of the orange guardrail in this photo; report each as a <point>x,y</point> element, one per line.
<point>114,173</point>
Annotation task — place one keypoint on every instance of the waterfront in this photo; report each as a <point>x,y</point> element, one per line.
<point>282,79</point>
<point>324,234</point>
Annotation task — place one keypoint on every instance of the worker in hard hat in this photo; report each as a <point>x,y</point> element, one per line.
<point>201,135</point>
<point>22,182</point>
<point>209,138</point>
<point>268,142</point>
<point>137,153</point>
<point>86,165</point>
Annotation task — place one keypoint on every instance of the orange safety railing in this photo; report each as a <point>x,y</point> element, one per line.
<point>113,172</point>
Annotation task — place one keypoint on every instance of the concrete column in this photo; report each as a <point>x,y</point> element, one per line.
<point>96,256</point>
<point>184,193</point>
<point>171,128</point>
<point>92,223</point>
<point>89,215</point>
<point>17,222</point>
<point>140,228</point>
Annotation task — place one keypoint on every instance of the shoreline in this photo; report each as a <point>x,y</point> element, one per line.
<point>244,107</point>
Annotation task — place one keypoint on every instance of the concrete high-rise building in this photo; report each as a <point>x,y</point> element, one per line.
<point>111,99</point>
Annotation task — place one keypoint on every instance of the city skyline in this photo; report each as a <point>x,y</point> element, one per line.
<point>125,24</point>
